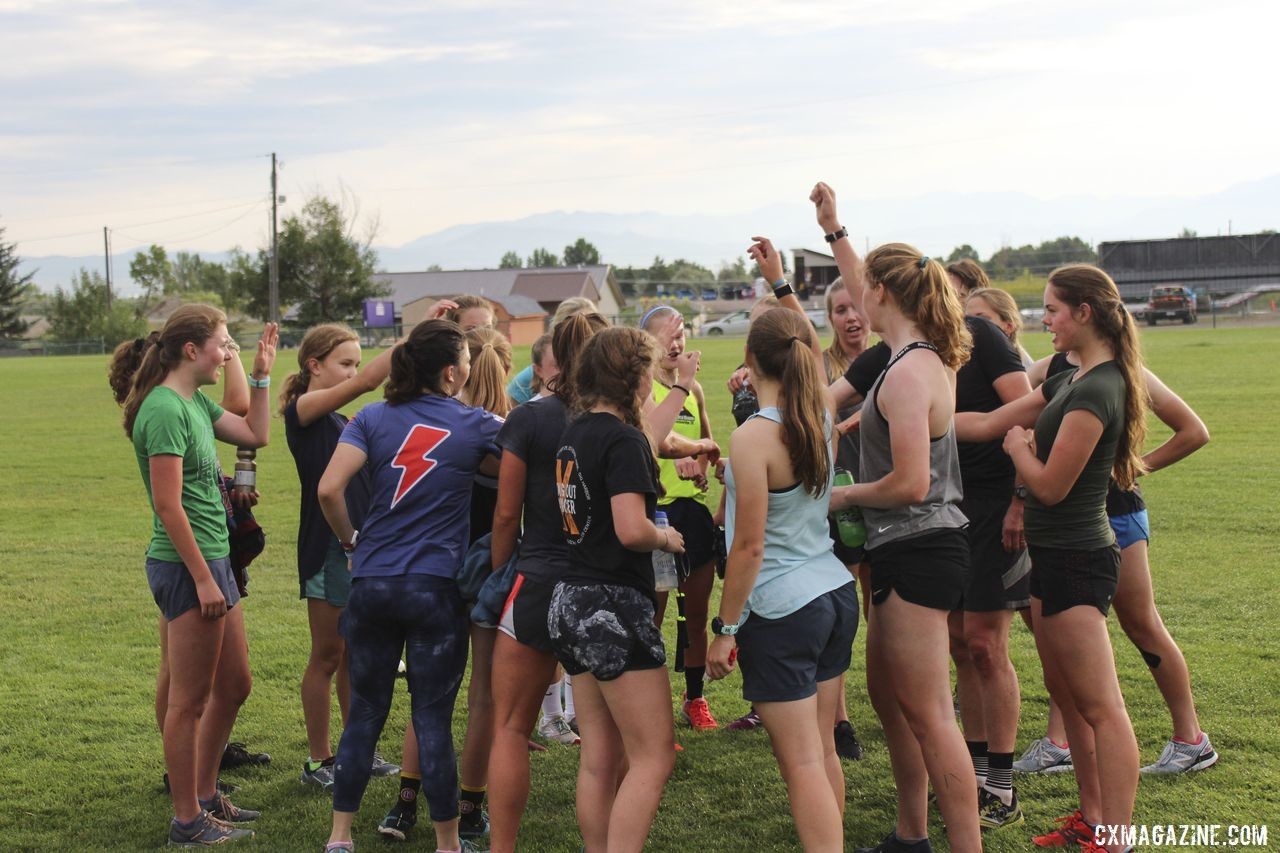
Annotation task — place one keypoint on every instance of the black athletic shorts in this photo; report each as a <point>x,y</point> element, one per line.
<point>1063,578</point>
<point>785,659</point>
<point>998,579</point>
<point>693,520</point>
<point>524,616</point>
<point>604,629</point>
<point>930,570</point>
<point>845,554</point>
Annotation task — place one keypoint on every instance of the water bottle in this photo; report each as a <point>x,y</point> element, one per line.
<point>665,576</point>
<point>246,476</point>
<point>853,532</point>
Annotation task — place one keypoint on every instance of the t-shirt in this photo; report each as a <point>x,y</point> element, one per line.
<point>532,433</point>
<point>1079,521</point>
<point>599,457</point>
<point>169,424</point>
<point>689,425</point>
<point>312,447</point>
<point>423,458</point>
<point>985,469</point>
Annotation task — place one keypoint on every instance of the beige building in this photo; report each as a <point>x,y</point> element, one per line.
<point>519,318</point>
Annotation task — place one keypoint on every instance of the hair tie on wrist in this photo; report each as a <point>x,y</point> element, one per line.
<point>924,260</point>
<point>678,387</point>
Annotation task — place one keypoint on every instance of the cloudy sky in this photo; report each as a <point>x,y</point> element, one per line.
<point>158,118</point>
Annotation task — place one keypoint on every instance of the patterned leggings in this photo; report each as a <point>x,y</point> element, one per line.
<point>424,617</point>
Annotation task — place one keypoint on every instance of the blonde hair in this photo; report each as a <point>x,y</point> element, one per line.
<point>189,324</point>
<point>567,342</point>
<point>1004,306</point>
<point>317,343</point>
<point>571,306</point>
<point>466,302</point>
<point>536,353</point>
<point>837,359</point>
<point>1085,284</point>
<point>924,296</point>
<point>490,363</point>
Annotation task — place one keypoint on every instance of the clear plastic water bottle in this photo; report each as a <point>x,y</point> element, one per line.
<point>665,576</point>
<point>853,532</point>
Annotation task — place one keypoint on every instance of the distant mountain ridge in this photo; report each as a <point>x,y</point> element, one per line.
<point>936,223</point>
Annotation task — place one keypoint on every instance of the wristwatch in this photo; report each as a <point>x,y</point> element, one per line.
<point>720,629</point>
<point>836,235</point>
<point>348,547</point>
<point>1020,492</point>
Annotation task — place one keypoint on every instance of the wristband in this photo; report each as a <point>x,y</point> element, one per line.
<point>838,234</point>
<point>348,547</point>
<point>781,289</point>
<point>676,386</point>
<point>264,382</point>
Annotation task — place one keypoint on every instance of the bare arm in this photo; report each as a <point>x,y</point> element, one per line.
<point>990,426</point>
<point>166,497</point>
<point>1189,432</point>
<point>314,405</point>
<point>1052,480</point>
<point>1039,372</point>
<point>253,430</point>
<point>512,477</point>
<point>636,532</point>
<point>770,262</point>
<point>235,385</point>
<point>847,260</point>
<point>660,418</point>
<point>346,462</point>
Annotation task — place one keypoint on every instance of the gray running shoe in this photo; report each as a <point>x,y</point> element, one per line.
<point>221,808</point>
<point>205,831</point>
<point>1184,757</point>
<point>319,774</point>
<point>1044,756</point>
<point>555,728</point>
<point>382,767</point>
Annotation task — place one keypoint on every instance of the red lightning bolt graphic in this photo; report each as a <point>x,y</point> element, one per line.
<point>413,457</point>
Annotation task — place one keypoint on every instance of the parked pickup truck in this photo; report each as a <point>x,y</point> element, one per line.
<point>1173,302</point>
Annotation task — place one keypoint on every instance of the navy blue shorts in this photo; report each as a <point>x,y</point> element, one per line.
<point>175,591</point>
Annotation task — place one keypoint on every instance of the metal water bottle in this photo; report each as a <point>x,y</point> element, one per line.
<point>246,476</point>
<point>849,520</point>
<point>665,576</point>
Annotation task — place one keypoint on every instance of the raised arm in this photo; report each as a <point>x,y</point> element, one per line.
<point>770,262</point>
<point>1189,432</point>
<point>235,384</point>
<point>253,429</point>
<point>847,260</point>
<point>314,405</point>
<point>661,418</point>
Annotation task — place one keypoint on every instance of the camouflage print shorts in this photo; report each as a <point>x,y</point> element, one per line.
<point>603,629</point>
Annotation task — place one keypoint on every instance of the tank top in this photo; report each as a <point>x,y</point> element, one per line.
<point>939,509</point>
<point>798,564</point>
<point>689,425</point>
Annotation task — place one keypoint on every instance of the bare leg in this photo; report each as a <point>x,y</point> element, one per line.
<point>162,677</point>
<point>479,735</point>
<point>968,686</point>
<point>327,652</point>
<point>987,639</point>
<point>231,686</point>
<point>798,744</point>
<point>194,645</point>
<point>599,764</point>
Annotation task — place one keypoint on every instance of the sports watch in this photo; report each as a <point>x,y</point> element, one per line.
<point>720,629</point>
<point>1020,492</point>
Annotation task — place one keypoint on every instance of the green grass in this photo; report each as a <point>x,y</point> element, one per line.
<point>82,761</point>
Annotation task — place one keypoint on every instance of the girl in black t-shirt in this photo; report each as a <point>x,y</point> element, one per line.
<point>601,614</point>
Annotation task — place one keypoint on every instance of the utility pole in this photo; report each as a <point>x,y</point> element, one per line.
<point>274,293</point>
<point>106,251</point>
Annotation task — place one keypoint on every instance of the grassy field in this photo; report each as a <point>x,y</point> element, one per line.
<point>82,760</point>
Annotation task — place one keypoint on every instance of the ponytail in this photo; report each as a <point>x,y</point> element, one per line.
<point>162,352</point>
<point>924,295</point>
<point>568,340</point>
<point>490,363</point>
<point>125,361</point>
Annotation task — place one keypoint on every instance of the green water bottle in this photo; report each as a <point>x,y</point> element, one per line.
<point>853,532</point>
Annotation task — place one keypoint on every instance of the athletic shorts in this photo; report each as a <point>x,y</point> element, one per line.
<point>998,579</point>
<point>603,629</point>
<point>845,554</point>
<point>930,570</point>
<point>785,659</point>
<point>175,591</point>
<point>1131,529</point>
<point>524,616</point>
<point>332,582</point>
<point>1063,578</point>
<point>693,520</point>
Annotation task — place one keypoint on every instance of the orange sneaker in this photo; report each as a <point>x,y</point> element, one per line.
<point>697,713</point>
<point>1072,831</point>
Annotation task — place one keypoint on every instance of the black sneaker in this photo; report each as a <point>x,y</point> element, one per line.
<point>893,844</point>
<point>473,824</point>
<point>402,818</point>
<point>221,808</point>
<point>235,755</point>
<point>847,746</point>
<point>205,831</point>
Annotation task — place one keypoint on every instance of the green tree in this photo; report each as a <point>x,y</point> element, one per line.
<point>543,258</point>
<point>960,253</point>
<point>82,312</point>
<point>152,271</point>
<point>581,253</point>
<point>1186,233</point>
<point>510,261</point>
<point>736,271</point>
<point>14,290</point>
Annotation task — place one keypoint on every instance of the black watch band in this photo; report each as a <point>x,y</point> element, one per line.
<point>783,289</point>
<point>720,629</point>
<point>836,235</point>
<point>1020,492</point>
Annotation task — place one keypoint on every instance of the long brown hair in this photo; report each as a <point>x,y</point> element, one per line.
<point>924,296</point>
<point>567,341</point>
<point>161,353</point>
<point>1085,284</point>
<point>970,274</point>
<point>1003,304</point>
<point>611,369</point>
<point>418,363</point>
<point>490,363</point>
<point>125,361</point>
<point>778,343</point>
<point>317,343</point>
<point>466,302</point>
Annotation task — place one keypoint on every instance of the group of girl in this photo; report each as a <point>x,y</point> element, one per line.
<point>568,485</point>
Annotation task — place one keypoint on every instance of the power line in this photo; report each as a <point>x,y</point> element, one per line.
<point>142,224</point>
<point>151,164</point>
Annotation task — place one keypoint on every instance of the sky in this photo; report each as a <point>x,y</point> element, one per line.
<point>157,119</point>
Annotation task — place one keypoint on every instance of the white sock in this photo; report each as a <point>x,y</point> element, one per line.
<point>551,706</point>
<point>568,698</point>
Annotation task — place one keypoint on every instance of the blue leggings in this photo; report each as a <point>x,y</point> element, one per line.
<point>423,616</point>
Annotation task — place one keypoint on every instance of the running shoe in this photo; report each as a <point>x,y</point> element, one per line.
<point>319,774</point>
<point>473,824</point>
<point>994,814</point>
<point>1072,831</point>
<point>893,844</point>
<point>470,847</point>
<point>1044,756</point>
<point>402,671</point>
<point>747,722</point>
<point>573,724</point>
<point>697,713</point>
<point>339,846</point>
<point>221,808</point>
<point>847,745</point>
<point>382,767</point>
<point>1181,757</point>
<point>235,755</point>
<point>555,729</point>
<point>402,818</point>
<point>205,831</point>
